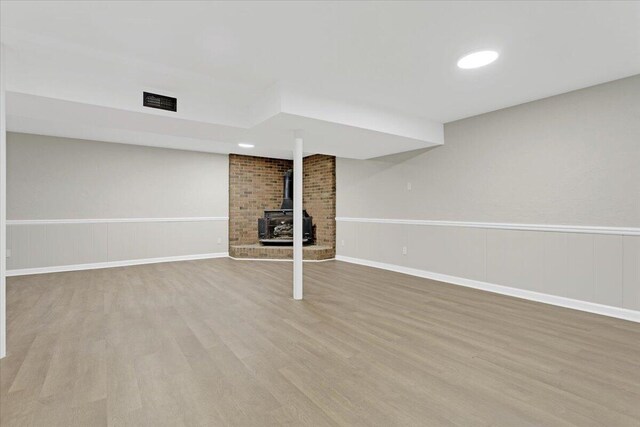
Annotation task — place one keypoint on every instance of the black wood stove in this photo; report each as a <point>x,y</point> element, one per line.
<point>276,227</point>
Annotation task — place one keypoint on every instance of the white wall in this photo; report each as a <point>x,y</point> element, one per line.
<point>570,160</point>
<point>76,202</point>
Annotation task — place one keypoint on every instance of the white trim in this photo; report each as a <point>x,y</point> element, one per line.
<point>626,231</point>
<point>280,259</point>
<point>110,264</point>
<point>113,220</point>
<point>605,310</point>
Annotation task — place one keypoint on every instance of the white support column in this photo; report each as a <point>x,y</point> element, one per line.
<point>3,206</point>
<point>297,218</point>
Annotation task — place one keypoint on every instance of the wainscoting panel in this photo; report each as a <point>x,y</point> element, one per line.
<point>515,257</point>
<point>59,244</point>
<point>580,283</point>
<point>346,238</point>
<point>383,244</point>
<point>56,244</point>
<point>428,249</point>
<point>608,268</point>
<point>554,258</point>
<point>449,251</point>
<point>631,272</point>
<point>592,267</point>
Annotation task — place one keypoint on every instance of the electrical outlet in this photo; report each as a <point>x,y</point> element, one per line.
<point>219,240</point>
<point>404,250</point>
<point>341,242</point>
<point>409,186</point>
<point>8,253</point>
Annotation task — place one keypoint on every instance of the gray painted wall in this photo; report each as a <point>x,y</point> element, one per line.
<point>61,178</point>
<point>569,159</point>
<point>50,177</point>
<point>572,159</point>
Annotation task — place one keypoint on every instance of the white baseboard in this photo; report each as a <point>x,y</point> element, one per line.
<point>110,264</point>
<point>605,310</point>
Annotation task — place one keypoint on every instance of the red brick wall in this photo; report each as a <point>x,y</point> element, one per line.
<point>255,184</point>
<point>319,196</point>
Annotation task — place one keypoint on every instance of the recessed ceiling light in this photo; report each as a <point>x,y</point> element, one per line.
<point>245,145</point>
<point>478,59</point>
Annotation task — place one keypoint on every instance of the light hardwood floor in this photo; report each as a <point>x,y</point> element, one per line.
<point>220,342</point>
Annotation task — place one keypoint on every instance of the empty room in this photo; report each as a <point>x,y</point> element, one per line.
<point>320,213</point>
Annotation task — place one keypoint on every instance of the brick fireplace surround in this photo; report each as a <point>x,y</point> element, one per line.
<point>255,184</point>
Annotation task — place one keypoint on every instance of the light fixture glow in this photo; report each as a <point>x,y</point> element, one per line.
<point>478,59</point>
<point>245,145</point>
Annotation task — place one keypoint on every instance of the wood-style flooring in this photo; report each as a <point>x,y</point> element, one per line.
<point>220,342</point>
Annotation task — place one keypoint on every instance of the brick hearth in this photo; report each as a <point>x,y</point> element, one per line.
<point>256,250</point>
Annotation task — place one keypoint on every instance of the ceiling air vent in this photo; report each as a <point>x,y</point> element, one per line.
<point>159,101</point>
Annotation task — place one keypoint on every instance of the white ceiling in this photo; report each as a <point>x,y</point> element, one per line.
<point>356,133</point>
<point>399,58</point>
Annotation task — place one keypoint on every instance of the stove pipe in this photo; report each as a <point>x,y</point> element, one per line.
<point>287,190</point>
